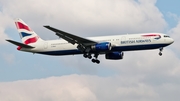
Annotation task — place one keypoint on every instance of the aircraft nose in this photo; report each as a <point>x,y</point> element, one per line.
<point>171,40</point>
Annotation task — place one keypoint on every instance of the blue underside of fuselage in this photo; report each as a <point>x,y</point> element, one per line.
<point>120,48</point>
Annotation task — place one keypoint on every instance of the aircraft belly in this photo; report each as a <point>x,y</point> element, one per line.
<point>61,52</point>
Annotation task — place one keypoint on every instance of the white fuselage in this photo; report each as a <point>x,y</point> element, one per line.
<point>119,43</point>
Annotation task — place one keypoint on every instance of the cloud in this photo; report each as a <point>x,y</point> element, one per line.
<point>85,88</point>
<point>9,58</point>
<point>76,88</point>
<point>174,16</point>
<point>89,17</point>
<point>4,19</point>
<point>2,36</point>
<point>174,32</point>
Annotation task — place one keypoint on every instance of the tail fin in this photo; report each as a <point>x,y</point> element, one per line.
<point>28,36</point>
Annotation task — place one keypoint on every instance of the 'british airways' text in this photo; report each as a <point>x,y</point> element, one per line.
<point>136,41</point>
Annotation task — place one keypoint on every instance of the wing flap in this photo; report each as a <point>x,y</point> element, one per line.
<point>19,44</point>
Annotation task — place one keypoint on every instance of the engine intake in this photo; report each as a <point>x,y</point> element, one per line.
<point>114,55</point>
<point>105,46</point>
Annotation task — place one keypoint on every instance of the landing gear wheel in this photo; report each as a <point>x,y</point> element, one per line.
<point>160,54</point>
<point>93,60</point>
<point>97,61</point>
<point>85,55</point>
<point>89,56</point>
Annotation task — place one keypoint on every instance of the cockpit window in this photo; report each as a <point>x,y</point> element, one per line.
<point>166,36</point>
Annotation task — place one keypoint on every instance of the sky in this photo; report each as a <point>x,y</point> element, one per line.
<point>140,76</point>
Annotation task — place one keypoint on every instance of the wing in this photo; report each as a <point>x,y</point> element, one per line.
<point>71,38</point>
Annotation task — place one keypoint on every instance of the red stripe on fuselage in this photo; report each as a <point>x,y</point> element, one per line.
<point>19,25</point>
<point>149,35</point>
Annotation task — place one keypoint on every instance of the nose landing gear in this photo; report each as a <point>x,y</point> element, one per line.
<point>160,51</point>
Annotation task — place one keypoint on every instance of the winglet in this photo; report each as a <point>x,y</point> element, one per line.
<point>51,28</point>
<point>48,27</point>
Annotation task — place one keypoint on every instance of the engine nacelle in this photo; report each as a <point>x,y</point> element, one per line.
<point>114,55</point>
<point>105,46</point>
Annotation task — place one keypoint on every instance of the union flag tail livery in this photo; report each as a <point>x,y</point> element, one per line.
<point>112,47</point>
<point>28,36</point>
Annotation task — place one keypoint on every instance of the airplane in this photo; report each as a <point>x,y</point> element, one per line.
<point>112,47</point>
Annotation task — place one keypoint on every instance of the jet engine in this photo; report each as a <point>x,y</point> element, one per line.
<point>114,55</point>
<point>105,46</point>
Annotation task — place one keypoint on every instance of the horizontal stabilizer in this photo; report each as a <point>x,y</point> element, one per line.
<point>19,44</point>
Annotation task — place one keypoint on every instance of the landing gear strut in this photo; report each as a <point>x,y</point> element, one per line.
<point>87,55</point>
<point>160,53</point>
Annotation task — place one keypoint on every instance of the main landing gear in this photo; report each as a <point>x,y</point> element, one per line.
<point>94,60</point>
<point>160,51</point>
